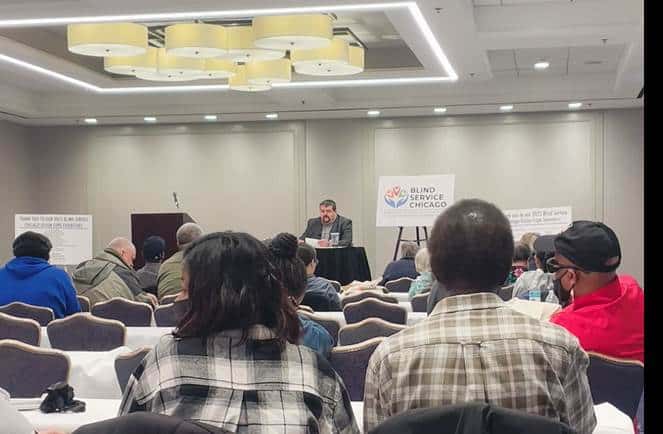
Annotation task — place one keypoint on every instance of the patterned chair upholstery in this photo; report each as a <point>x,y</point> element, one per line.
<point>84,302</point>
<point>617,381</point>
<point>373,308</point>
<point>367,329</point>
<point>130,313</point>
<point>399,285</point>
<point>85,332</point>
<point>350,362</point>
<point>331,325</point>
<point>28,371</point>
<point>24,330</point>
<point>126,364</point>
<point>43,315</point>
<point>358,296</point>
<point>419,302</point>
<point>168,315</point>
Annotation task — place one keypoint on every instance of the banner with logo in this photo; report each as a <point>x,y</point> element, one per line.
<point>413,200</point>
<point>71,235</point>
<point>542,221</point>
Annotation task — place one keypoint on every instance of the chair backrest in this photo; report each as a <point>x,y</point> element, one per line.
<point>367,329</point>
<point>358,296</point>
<point>617,381</point>
<point>331,325</point>
<point>168,315</point>
<point>419,302</point>
<point>84,302</point>
<point>85,332</point>
<point>374,308</point>
<point>24,330</point>
<point>126,364</point>
<point>28,371</point>
<point>336,284</point>
<point>318,302</point>
<point>167,299</point>
<point>350,362</point>
<point>399,285</point>
<point>130,313</point>
<point>506,293</point>
<point>43,315</point>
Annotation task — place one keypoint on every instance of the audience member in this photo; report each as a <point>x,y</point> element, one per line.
<point>169,279</point>
<point>529,238</point>
<point>293,277</point>
<point>231,361</point>
<point>110,274</point>
<point>473,347</point>
<point>607,310</point>
<point>424,280</point>
<point>403,267</point>
<point>539,280</point>
<point>29,278</point>
<point>320,293</point>
<point>154,249</point>
<point>521,255</point>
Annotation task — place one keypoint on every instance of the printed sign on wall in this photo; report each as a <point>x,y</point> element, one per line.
<point>542,221</point>
<point>71,235</point>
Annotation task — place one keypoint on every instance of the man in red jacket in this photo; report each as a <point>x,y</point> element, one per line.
<point>606,311</point>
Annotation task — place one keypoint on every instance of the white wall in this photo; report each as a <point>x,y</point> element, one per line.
<point>269,177</point>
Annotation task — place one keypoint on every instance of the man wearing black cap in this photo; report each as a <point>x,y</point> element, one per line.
<point>29,278</point>
<point>606,310</point>
<point>154,250</point>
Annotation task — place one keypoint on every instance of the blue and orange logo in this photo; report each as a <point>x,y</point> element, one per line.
<point>395,197</point>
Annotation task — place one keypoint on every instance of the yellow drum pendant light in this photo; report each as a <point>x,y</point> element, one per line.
<point>176,65</point>
<point>196,40</point>
<point>292,32</point>
<point>132,65</point>
<point>241,46</point>
<point>218,68</point>
<point>353,65</point>
<point>240,82</point>
<point>156,76</point>
<point>107,39</point>
<point>269,71</point>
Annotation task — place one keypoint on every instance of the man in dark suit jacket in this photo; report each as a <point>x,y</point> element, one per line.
<point>328,223</point>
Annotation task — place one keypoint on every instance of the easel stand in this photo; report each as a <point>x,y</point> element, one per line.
<point>418,240</point>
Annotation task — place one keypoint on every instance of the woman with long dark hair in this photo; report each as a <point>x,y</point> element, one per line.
<point>232,362</point>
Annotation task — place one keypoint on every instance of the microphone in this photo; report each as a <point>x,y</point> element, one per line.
<point>177,202</point>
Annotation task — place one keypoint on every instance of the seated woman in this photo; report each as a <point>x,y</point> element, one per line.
<point>424,281</point>
<point>231,361</point>
<point>519,265</point>
<point>403,267</point>
<point>540,279</point>
<point>293,276</point>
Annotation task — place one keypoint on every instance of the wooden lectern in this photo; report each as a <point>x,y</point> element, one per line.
<point>164,225</point>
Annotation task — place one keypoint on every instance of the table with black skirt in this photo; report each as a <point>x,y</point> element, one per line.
<point>343,264</point>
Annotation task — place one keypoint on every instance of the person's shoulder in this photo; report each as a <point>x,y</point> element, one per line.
<point>345,219</point>
<point>551,333</point>
<point>175,258</point>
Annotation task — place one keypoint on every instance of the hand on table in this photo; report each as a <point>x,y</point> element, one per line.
<point>323,243</point>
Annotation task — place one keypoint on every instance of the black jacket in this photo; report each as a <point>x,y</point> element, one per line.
<point>342,225</point>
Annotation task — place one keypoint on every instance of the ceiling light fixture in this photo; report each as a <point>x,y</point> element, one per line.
<point>90,121</point>
<point>575,105</point>
<point>440,110</point>
<point>506,108</point>
<point>211,117</point>
<point>269,71</point>
<point>272,116</point>
<point>107,39</point>
<point>196,40</point>
<point>541,65</point>
<point>131,65</point>
<point>293,32</point>
<point>242,49</point>
<point>219,68</point>
<point>373,113</point>
<point>150,119</point>
<point>240,81</point>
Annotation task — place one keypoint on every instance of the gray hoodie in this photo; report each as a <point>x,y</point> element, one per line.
<point>535,280</point>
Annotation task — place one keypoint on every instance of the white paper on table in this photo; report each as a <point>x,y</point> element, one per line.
<point>313,242</point>
<point>609,420</point>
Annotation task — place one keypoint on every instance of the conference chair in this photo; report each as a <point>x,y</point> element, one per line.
<point>27,371</point>
<point>399,285</point>
<point>24,330</point>
<point>130,313</point>
<point>85,332</point>
<point>419,302</point>
<point>358,296</point>
<point>331,325</point>
<point>506,293</point>
<point>169,315</point>
<point>350,363</point>
<point>319,302</point>
<point>336,284</point>
<point>126,364</point>
<point>367,329</point>
<point>167,299</point>
<point>84,302</point>
<point>43,315</point>
<point>374,308</point>
<point>617,381</point>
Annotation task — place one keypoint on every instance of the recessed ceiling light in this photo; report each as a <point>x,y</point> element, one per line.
<point>90,121</point>
<point>272,115</point>
<point>440,110</point>
<point>506,108</point>
<point>541,65</point>
<point>211,117</point>
<point>373,113</point>
<point>150,119</point>
<point>575,105</point>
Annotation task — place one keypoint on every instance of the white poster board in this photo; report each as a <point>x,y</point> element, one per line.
<point>413,200</point>
<point>71,235</point>
<point>542,221</point>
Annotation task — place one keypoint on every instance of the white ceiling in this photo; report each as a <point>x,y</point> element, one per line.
<point>595,48</point>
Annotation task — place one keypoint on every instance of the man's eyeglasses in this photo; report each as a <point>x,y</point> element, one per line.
<point>554,266</point>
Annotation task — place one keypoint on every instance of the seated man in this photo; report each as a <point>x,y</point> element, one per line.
<point>473,347</point>
<point>329,223</point>
<point>29,278</point>
<point>154,249</point>
<point>607,310</point>
<point>327,298</point>
<point>403,267</point>
<point>110,274</point>
<point>541,279</point>
<point>169,279</point>
<point>521,255</point>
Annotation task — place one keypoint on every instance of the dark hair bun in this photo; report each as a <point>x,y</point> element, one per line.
<point>284,245</point>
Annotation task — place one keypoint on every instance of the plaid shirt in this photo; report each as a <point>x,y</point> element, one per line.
<point>252,387</point>
<point>474,348</point>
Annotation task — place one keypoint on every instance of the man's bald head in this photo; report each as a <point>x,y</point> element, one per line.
<point>125,249</point>
<point>187,233</point>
